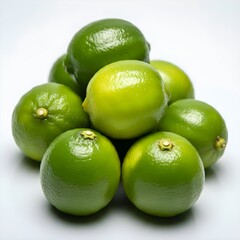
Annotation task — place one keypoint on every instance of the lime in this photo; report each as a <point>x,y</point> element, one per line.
<point>102,42</point>
<point>58,74</point>
<point>125,99</point>
<point>163,174</point>
<point>43,113</point>
<point>175,79</point>
<point>201,124</point>
<point>80,172</point>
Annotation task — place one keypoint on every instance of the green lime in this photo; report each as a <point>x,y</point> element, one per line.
<point>125,99</point>
<point>163,174</point>
<point>175,79</point>
<point>80,172</point>
<point>102,42</point>
<point>58,74</point>
<point>43,113</point>
<point>201,124</point>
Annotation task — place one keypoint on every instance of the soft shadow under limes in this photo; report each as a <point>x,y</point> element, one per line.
<point>212,173</point>
<point>73,219</point>
<point>29,164</point>
<point>180,219</point>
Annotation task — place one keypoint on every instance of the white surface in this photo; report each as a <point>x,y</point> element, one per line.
<point>202,37</point>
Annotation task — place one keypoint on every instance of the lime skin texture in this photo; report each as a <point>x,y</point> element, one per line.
<point>42,114</point>
<point>162,174</point>
<point>80,172</point>
<point>201,124</point>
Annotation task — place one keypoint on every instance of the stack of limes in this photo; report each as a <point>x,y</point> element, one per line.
<point>106,99</point>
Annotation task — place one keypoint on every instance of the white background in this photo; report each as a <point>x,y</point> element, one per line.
<point>202,37</point>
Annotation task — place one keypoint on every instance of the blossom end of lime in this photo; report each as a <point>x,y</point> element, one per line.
<point>41,113</point>
<point>165,144</point>
<point>220,143</point>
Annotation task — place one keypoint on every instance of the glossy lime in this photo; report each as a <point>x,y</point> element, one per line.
<point>43,113</point>
<point>80,172</point>
<point>102,42</point>
<point>163,174</point>
<point>125,99</point>
<point>58,74</point>
<point>175,79</point>
<point>201,124</point>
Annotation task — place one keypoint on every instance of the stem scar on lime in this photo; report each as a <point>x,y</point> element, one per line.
<point>220,143</point>
<point>42,113</point>
<point>88,134</point>
<point>165,144</point>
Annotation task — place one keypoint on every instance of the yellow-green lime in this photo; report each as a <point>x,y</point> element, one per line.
<point>102,42</point>
<point>163,174</point>
<point>177,82</point>
<point>42,114</point>
<point>201,124</point>
<point>125,99</point>
<point>80,172</point>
